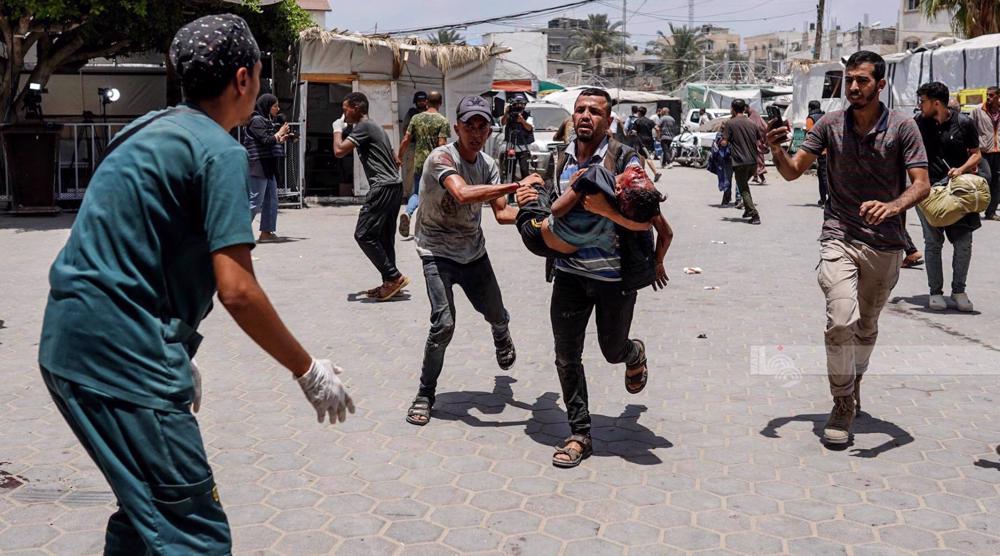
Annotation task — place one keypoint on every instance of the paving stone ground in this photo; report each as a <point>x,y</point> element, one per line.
<point>719,454</point>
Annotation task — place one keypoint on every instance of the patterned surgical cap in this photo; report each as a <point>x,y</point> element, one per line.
<point>207,52</point>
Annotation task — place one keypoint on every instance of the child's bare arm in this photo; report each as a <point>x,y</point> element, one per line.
<point>565,202</point>
<point>664,236</point>
<point>597,203</point>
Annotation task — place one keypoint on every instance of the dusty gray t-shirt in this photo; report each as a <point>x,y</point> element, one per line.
<point>445,228</point>
<point>376,153</point>
<point>743,136</point>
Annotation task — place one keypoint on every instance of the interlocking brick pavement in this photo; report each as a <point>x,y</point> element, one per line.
<point>719,455</point>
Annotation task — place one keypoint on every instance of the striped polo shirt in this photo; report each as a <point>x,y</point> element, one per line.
<point>865,168</point>
<point>589,262</point>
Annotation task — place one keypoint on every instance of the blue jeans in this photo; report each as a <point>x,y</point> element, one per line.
<point>414,200</point>
<point>264,201</point>
<point>960,259</point>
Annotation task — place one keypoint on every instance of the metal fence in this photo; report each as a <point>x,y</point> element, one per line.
<point>82,144</point>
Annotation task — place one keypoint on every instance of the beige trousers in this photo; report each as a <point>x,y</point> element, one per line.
<point>856,280</point>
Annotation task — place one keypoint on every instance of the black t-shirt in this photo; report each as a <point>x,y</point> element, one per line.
<point>644,127</point>
<point>515,132</point>
<point>948,143</point>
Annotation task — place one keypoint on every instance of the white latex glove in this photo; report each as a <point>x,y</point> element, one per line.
<point>323,389</point>
<point>339,124</point>
<point>196,379</point>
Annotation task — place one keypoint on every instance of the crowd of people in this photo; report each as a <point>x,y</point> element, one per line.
<point>139,270</point>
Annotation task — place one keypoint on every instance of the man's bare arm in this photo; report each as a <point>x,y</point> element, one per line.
<point>503,212</point>
<point>243,297</point>
<point>875,212</point>
<point>466,194</point>
<point>790,168</point>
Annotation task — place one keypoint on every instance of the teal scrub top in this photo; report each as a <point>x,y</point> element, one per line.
<point>135,278</point>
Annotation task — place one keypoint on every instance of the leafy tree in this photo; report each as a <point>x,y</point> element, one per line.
<point>68,33</point>
<point>681,51</point>
<point>972,18</point>
<point>446,36</point>
<point>598,38</point>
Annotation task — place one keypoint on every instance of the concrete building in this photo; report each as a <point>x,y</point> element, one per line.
<point>774,45</point>
<point>914,29</point>
<point>720,39</point>
<point>562,33</point>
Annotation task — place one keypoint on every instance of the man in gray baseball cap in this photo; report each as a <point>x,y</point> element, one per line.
<point>458,178</point>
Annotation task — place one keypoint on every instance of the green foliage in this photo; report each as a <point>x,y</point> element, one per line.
<point>681,51</point>
<point>599,38</point>
<point>446,36</point>
<point>972,18</point>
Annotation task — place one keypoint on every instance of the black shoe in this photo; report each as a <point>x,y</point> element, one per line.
<point>506,354</point>
<point>755,220</point>
<point>739,204</point>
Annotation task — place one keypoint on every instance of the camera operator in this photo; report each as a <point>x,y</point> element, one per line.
<point>518,135</point>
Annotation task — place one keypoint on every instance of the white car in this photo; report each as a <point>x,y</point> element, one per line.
<point>546,118</point>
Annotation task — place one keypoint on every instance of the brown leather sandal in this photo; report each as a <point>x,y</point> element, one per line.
<point>635,383</point>
<point>575,456</point>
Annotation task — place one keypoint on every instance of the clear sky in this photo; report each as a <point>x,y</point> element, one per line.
<point>746,17</point>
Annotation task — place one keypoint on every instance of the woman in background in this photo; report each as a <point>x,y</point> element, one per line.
<point>264,141</point>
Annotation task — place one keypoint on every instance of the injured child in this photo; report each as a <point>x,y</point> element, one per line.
<point>585,215</point>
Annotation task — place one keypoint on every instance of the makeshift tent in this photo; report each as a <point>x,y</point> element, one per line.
<point>723,98</point>
<point>814,81</point>
<point>967,64</point>
<point>621,97</point>
<point>388,71</point>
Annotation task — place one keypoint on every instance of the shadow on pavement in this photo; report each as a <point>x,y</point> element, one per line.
<point>863,424</point>
<point>620,436</point>
<point>41,223</point>
<point>987,464</point>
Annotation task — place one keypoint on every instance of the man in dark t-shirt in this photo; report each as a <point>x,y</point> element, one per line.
<point>952,144</point>
<point>375,232</point>
<point>742,137</point>
<point>871,151</point>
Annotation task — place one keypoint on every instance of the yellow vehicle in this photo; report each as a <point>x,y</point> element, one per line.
<point>968,99</point>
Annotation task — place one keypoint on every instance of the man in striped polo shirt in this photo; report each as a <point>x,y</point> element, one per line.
<point>870,152</point>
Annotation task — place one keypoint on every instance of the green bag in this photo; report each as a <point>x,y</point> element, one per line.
<point>948,203</point>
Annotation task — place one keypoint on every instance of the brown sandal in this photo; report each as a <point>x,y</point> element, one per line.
<point>575,456</point>
<point>635,383</point>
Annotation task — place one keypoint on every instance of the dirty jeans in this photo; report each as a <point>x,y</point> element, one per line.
<point>856,280</point>
<point>264,201</point>
<point>480,285</point>
<point>960,260</point>
<point>573,299</point>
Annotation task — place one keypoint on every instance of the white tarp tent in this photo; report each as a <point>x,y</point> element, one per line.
<point>970,64</point>
<point>723,98</point>
<point>622,97</point>
<point>814,81</point>
<point>389,71</point>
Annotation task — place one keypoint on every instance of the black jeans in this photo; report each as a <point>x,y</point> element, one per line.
<point>480,286</point>
<point>573,299</point>
<point>993,159</point>
<point>376,228</point>
<point>821,175</point>
<point>666,157</point>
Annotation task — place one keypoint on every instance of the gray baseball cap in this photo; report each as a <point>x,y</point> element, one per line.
<point>474,106</point>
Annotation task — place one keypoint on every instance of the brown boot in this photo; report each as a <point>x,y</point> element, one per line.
<point>838,427</point>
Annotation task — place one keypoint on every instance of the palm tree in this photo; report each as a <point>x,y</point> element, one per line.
<point>446,36</point>
<point>681,51</point>
<point>972,18</point>
<point>598,38</point>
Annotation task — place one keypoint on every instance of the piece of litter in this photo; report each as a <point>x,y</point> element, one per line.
<point>711,287</point>
<point>692,270</point>
<point>702,336</point>
<point>717,242</point>
<point>254,258</point>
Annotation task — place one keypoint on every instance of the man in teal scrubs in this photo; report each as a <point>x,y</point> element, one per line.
<point>164,225</point>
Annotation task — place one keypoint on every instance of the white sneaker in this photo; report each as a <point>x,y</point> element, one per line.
<point>962,301</point>
<point>937,303</point>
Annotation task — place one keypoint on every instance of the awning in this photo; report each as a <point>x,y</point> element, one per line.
<point>513,85</point>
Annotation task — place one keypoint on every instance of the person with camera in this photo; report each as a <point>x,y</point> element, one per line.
<point>518,135</point>
<point>870,151</point>
<point>952,144</point>
<point>265,141</point>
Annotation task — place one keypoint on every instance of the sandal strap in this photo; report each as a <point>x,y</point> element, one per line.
<point>636,379</point>
<point>583,440</point>
<point>573,453</point>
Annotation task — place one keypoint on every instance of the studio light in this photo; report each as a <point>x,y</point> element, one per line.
<point>109,94</point>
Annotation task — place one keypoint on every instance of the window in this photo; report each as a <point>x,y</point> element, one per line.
<point>559,71</point>
<point>911,43</point>
<point>912,5</point>
<point>555,49</point>
<point>832,83</point>
<point>710,46</point>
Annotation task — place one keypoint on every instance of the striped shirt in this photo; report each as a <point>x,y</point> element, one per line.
<point>590,262</point>
<point>859,169</point>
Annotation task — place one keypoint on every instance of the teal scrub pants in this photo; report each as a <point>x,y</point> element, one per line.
<point>156,465</point>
